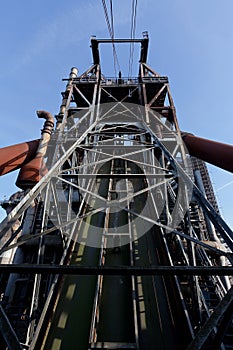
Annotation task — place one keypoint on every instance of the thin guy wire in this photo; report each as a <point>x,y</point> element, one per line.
<point>111,32</point>
<point>132,34</point>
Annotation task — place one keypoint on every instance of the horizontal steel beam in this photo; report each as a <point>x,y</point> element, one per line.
<point>117,270</point>
<point>128,175</point>
<point>119,40</point>
<point>112,345</point>
<point>95,46</point>
<point>120,145</point>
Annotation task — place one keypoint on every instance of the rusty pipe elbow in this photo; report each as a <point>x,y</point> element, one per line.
<point>49,123</point>
<point>46,115</point>
<point>45,132</point>
<point>33,171</point>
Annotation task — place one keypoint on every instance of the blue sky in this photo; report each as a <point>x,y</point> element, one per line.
<point>191,41</point>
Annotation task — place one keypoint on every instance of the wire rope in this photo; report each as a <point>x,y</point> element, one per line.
<point>110,26</point>
<point>132,35</point>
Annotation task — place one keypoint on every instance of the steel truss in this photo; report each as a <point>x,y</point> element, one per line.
<point>119,192</point>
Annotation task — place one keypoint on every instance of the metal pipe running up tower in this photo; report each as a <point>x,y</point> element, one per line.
<point>119,195</point>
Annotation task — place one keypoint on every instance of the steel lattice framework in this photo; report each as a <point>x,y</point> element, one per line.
<point>121,205</point>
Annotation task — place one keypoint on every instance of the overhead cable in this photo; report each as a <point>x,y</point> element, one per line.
<point>111,33</point>
<point>132,34</point>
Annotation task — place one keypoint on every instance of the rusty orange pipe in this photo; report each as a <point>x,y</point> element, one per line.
<point>216,153</point>
<point>13,157</point>
<point>33,171</point>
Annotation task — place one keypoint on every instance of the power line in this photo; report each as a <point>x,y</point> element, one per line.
<point>132,34</point>
<point>110,26</point>
<point>111,33</point>
<point>116,62</point>
<point>112,22</point>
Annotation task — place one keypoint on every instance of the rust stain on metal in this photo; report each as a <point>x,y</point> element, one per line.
<point>216,153</point>
<point>34,170</point>
<point>31,173</point>
<point>13,157</point>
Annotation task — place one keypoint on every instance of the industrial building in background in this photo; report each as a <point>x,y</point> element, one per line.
<point>115,240</point>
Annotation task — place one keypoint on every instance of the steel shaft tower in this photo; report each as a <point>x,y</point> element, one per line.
<point>116,246</point>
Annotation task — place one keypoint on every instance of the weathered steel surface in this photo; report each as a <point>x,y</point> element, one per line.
<point>213,152</point>
<point>13,157</point>
<point>117,270</point>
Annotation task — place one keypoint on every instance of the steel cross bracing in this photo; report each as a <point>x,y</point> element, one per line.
<point>119,193</point>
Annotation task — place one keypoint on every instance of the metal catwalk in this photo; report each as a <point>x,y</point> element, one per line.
<point>114,245</point>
